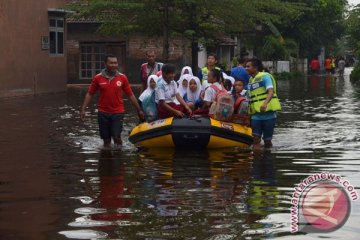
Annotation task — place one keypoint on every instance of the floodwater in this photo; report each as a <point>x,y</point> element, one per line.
<point>57,183</point>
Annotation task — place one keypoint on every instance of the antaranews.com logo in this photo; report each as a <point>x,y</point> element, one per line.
<point>321,203</point>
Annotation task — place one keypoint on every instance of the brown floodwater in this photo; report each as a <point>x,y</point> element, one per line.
<point>57,183</point>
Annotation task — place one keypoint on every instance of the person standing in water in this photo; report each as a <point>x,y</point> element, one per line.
<point>341,66</point>
<point>263,103</point>
<point>111,83</point>
<point>151,67</point>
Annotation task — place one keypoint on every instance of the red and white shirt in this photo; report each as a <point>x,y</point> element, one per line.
<point>110,99</point>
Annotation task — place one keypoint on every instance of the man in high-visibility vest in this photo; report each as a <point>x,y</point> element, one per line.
<point>211,64</point>
<point>328,65</point>
<point>263,103</point>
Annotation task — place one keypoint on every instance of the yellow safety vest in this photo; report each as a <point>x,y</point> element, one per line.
<point>258,93</point>
<point>205,72</point>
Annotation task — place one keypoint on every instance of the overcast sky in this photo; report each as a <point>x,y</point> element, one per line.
<point>355,2</point>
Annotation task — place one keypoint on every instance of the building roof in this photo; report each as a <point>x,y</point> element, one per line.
<point>77,19</point>
<point>59,10</point>
<point>227,41</point>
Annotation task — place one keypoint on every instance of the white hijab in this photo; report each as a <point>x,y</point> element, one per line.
<point>193,96</point>
<point>148,91</point>
<point>188,69</point>
<point>182,90</point>
<point>231,79</point>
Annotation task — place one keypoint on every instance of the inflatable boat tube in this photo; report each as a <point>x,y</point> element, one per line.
<point>194,132</point>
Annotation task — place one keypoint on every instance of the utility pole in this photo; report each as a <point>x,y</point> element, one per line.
<point>166,32</point>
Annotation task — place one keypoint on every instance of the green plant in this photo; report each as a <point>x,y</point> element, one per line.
<point>355,74</point>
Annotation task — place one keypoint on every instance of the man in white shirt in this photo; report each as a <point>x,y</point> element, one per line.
<point>166,93</point>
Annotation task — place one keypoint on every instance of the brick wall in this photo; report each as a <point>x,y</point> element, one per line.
<point>137,45</point>
<point>135,54</point>
<point>73,60</point>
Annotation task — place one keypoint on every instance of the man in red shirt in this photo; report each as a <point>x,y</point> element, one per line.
<point>328,65</point>
<point>110,83</point>
<point>315,65</point>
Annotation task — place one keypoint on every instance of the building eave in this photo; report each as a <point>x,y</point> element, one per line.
<point>59,11</point>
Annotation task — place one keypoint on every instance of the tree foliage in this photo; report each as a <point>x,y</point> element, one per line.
<point>305,24</point>
<point>321,24</point>
<point>277,49</point>
<point>353,29</point>
<point>198,20</point>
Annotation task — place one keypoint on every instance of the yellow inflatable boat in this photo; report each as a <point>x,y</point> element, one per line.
<point>194,132</point>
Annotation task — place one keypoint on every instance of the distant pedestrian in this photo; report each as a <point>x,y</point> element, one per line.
<point>328,65</point>
<point>315,65</point>
<point>341,66</point>
<point>151,67</point>
<point>110,83</point>
<point>333,65</point>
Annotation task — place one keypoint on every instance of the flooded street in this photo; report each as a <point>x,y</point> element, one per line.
<point>57,183</point>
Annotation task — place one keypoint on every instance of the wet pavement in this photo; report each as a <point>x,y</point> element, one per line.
<point>57,183</point>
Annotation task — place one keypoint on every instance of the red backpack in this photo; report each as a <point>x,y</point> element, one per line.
<point>223,106</point>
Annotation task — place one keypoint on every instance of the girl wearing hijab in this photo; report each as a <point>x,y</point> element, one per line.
<point>228,82</point>
<point>186,70</point>
<point>183,84</point>
<point>147,99</point>
<point>193,91</point>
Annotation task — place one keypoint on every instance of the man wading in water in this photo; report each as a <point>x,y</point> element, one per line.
<point>111,83</point>
<point>263,103</point>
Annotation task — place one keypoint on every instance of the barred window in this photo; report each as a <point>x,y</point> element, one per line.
<point>91,59</point>
<point>56,35</point>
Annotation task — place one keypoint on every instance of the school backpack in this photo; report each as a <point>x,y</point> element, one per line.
<point>223,107</point>
<point>241,106</point>
<point>241,109</point>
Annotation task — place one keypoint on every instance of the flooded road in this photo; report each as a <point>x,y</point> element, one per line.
<point>57,183</point>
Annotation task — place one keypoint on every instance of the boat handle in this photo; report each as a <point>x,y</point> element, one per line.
<point>191,136</point>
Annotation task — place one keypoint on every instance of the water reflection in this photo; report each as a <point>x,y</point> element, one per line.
<point>168,193</point>
<point>60,175</point>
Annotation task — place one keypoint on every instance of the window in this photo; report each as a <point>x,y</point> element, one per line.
<point>56,36</point>
<point>91,59</point>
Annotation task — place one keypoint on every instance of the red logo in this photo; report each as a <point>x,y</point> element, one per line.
<point>325,206</point>
<point>118,83</point>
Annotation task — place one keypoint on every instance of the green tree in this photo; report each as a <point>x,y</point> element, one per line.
<point>200,21</point>
<point>320,24</point>
<point>278,49</point>
<point>353,30</point>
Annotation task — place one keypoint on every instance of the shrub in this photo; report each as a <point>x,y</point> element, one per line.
<point>355,74</point>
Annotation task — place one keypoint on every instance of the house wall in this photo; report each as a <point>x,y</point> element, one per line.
<point>131,55</point>
<point>137,45</point>
<point>225,56</point>
<point>24,67</point>
<point>79,33</point>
